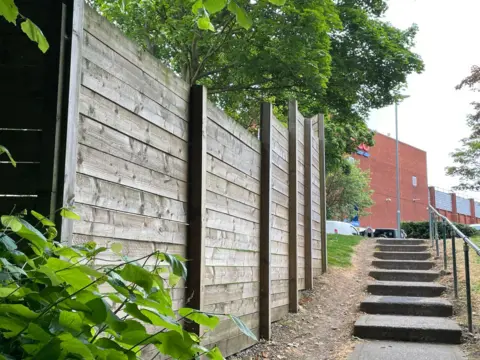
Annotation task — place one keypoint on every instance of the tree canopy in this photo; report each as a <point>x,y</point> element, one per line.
<point>466,159</point>
<point>336,57</point>
<point>348,192</point>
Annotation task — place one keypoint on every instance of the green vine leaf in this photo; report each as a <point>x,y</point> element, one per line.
<point>44,220</point>
<point>242,17</point>
<point>35,34</point>
<point>69,214</point>
<point>4,150</point>
<point>9,11</point>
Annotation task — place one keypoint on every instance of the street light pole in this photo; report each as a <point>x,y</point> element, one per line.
<point>399,233</point>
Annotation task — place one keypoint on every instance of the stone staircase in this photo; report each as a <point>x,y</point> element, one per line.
<point>405,317</point>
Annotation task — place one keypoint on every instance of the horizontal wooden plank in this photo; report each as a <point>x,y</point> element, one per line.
<point>231,190</point>
<point>279,273</point>
<point>107,85</point>
<point>215,294</point>
<point>279,312</point>
<point>238,307</point>
<point>97,107</point>
<point>231,174</point>
<point>279,235</point>
<point>230,257</point>
<point>279,260</point>
<point>280,286</point>
<point>278,161</point>
<point>109,60</point>
<point>232,127</point>
<point>95,135</point>
<point>23,145</point>
<point>229,149</point>
<point>279,223</point>
<point>281,137</point>
<point>282,128</point>
<point>107,167</point>
<point>279,198</point>
<point>105,223</point>
<point>231,207</point>
<point>279,248</point>
<point>19,180</point>
<point>279,210</point>
<point>231,240</point>
<point>102,29</point>
<point>215,275</point>
<point>114,196</point>
<point>234,345</point>
<point>225,222</point>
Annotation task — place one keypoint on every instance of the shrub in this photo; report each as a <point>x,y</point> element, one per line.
<point>420,230</point>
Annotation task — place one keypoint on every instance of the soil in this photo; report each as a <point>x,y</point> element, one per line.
<point>322,329</point>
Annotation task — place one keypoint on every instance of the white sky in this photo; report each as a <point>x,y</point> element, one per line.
<point>434,117</point>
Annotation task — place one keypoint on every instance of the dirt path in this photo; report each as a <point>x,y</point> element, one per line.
<point>323,327</point>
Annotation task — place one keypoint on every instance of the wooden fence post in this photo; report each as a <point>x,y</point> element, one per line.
<point>308,205</point>
<point>265,221</point>
<point>197,158</point>
<point>292,208</point>
<point>323,207</point>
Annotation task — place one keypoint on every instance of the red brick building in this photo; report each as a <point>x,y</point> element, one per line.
<point>380,160</point>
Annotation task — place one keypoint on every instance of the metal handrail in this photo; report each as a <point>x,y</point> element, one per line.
<point>459,233</point>
<point>467,244</point>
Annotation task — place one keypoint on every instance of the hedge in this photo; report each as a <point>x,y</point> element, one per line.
<point>420,230</point>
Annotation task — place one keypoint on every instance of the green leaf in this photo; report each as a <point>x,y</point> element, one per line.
<point>19,310</point>
<point>199,317</point>
<point>214,6</point>
<point>99,310</point>
<point>7,242</point>
<point>67,252</point>
<point>205,24</point>
<point>15,271</point>
<point>162,320</point>
<point>35,34</point>
<point>55,280</point>
<point>11,326</point>
<point>69,214</point>
<point>243,328</point>
<point>137,275</point>
<point>9,11</point>
<point>277,2</point>
<point>23,229</point>
<point>14,292</point>
<point>197,6</point>
<point>73,346</point>
<point>44,220</point>
<point>133,310</point>
<point>71,321</point>
<point>73,276</point>
<point>175,345</point>
<point>49,351</point>
<point>215,354</point>
<point>178,266</point>
<point>35,332</point>
<point>242,17</point>
<point>116,248</point>
<point>52,233</point>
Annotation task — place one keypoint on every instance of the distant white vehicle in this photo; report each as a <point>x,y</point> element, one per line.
<point>475,226</point>
<point>342,228</point>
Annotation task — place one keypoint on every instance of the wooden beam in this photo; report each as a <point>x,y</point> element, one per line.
<point>196,212</point>
<point>308,206</point>
<point>293,208</point>
<point>265,220</point>
<point>323,206</point>
<point>70,164</point>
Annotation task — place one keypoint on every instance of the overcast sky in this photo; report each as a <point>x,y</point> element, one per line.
<point>433,118</point>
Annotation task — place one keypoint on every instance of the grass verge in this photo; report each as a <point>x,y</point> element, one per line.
<point>341,249</point>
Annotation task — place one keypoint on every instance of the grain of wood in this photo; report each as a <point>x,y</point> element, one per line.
<point>230,257</point>
<point>232,207</point>
<point>231,274</point>
<point>231,190</point>
<point>231,240</point>
<point>215,294</point>
<point>225,222</point>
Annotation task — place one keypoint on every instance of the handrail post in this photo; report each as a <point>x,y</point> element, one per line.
<point>467,286</point>
<point>444,244</point>
<point>430,226</point>
<point>454,263</point>
<point>435,224</point>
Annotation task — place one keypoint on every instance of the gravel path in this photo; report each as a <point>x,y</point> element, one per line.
<point>323,327</point>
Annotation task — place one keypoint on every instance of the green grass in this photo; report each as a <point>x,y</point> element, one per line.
<point>341,249</point>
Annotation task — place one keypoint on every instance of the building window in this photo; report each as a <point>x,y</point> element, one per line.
<point>414,181</point>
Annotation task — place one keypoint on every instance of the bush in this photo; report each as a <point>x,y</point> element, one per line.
<point>420,229</point>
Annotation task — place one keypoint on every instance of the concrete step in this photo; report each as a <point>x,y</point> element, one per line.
<point>401,242</point>
<point>405,275</point>
<point>397,350</point>
<point>402,248</point>
<point>398,255</point>
<point>407,305</point>
<point>404,288</point>
<point>403,264</point>
<point>408,328</point>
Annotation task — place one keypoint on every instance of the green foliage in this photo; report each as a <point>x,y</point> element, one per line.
<point>348,187</point>
<point>90,302</point>
<point>420,229</point>
<point>341,249</point>
<point>467,157</point>
<point>10,12</point>
<point>4,150</point>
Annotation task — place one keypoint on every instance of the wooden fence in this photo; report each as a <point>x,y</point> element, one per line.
<point>151,164</point>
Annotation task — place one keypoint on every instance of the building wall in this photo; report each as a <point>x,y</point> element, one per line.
<point>455,207</point>
<point>381,164</point>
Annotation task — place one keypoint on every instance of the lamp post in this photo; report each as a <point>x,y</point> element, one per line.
<point>399,226</point>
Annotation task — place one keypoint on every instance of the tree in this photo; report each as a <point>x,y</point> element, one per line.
<point>336,57</point>
<point>348,191</point>
<point>467,157</point>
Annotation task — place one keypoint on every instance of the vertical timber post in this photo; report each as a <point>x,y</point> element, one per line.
<point>323,206</point>
<point>308,205</point>
<point>70,145</point>
<point>265,220</point>
<point>197,155</point>
<point>292,208</point>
